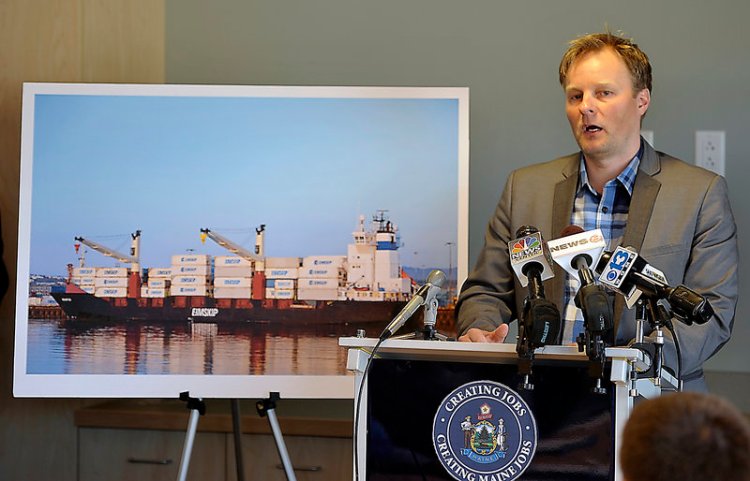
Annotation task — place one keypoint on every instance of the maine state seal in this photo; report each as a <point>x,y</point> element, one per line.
<point>484,431</point>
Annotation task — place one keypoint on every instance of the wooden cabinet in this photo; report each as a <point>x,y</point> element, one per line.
<point>144,439</point>
<point>313,458</point>
<point>146,455</point>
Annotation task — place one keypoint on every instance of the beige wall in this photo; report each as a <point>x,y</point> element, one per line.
<point>56,41</point>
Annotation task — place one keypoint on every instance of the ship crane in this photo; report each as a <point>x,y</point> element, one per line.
<point>134,278</point>
<point>257,257</point>
<point>237,249</point>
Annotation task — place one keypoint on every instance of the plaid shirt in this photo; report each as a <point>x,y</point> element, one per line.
<point>608,212</point>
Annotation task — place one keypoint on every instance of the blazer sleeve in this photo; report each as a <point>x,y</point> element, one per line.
<point>712,271</point>
<point>487,295</point>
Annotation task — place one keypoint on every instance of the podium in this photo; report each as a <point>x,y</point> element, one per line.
<point>577,431</point>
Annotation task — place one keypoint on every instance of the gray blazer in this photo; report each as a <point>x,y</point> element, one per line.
<point>679,220</point>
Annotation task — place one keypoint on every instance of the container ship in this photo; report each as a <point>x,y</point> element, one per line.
<point>365,285</point>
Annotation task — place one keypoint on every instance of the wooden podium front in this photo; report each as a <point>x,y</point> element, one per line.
<point>578,431</point>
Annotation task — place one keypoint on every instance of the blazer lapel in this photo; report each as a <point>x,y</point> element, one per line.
<point>561,209</point>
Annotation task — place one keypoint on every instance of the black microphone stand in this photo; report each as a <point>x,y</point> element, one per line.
<point>535,307</point>
<point>593,302</point>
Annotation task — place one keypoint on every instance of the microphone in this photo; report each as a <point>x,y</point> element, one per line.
<point>626,272</point>
<point>577,252</point>
<point>435,281</point>
<point>529,256</point>
<point>531,261</point>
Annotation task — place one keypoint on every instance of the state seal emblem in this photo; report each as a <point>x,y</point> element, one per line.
<point>484,431</point>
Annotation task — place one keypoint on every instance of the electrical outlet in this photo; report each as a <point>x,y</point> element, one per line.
<point>709,150</point>
<point>648,135</point>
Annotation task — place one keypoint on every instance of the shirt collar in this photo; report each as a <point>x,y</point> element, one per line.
<point>626,177</point>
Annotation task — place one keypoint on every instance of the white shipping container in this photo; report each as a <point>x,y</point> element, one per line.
<point>324,261</point>
<point>318,283</point>
<point>282,273</point>
<point>158,283</point>
<point>190,280</point>
<point>88,289</point>
<point>111,272</point>
<point>279,294</point>
<point>322,271</point>
<point>191,270</point>
<point>232,293</point>
<point>282,262</point>
<point>84,271</point>
<point>189,290</point>
<point>318,294</point>
<point>191,260</point>
<point>233,282</point>
<point>231,261</point>
<point>159,272</point>
<point>231,271</point>
<point>111,292</point>
<point>157,292</point>
<point>284,284</point>
<point>111,282</point>
<point>83,281</point>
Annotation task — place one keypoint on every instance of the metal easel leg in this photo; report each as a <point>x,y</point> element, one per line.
<point>237,429</point>
<point>197,408</point>
<point>267,407</point>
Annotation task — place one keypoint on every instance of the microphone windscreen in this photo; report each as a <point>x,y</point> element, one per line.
<point>571,230</point>
<point>526,230</point>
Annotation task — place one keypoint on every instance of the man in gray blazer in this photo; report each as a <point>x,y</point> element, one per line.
<point>676,215</point>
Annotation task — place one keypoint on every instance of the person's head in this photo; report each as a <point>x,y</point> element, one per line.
<point>607,85</point>
<point>687,437</point>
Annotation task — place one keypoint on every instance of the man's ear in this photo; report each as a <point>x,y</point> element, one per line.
<point>643,100</point>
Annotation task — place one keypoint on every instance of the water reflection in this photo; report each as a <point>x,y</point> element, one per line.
<point>60,347</point>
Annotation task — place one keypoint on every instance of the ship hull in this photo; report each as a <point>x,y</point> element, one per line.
<point>83,306</point>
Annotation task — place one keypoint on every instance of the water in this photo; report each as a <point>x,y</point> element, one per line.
<point>64,347</point>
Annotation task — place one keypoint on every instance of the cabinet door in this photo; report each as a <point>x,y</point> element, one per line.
<point>313,458</point>
<point>145,455</point>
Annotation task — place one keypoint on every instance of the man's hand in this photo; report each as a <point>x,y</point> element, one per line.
<point>478,335</point>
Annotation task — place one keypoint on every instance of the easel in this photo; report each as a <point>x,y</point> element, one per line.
<point>265,407</point>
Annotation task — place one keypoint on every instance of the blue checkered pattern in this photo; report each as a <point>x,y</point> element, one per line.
<point>608,212</point>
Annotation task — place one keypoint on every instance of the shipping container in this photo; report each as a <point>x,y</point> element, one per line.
<point>233,271</point>
<point>111,272</point>
<point>233,282</point>
<point>284,284</point>
<point>111,282</point>
<point>191,270</point>
<point>282,273</point>
<point>319,295</point>
<point>191,260</point>
<point>282,262</point>
<point>159,283</point>
<point>324,261</point>
<point>280,294</point>
<point>322,271</point>
<point>83,281</point>
<point>318,283</point>
<point>190,280</point>
<point>84,271</point>
<point>232,292</point>
<point>231,261</point>
<point>111,292</point>
<point>201,290</point>
<point>159,272</point>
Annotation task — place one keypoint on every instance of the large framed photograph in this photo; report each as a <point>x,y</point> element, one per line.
<point>220,239</point>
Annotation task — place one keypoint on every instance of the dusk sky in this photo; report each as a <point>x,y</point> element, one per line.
<point>106,166</point>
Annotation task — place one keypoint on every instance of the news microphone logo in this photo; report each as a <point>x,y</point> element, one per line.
<point>526,247</point>
<point>618,267</point>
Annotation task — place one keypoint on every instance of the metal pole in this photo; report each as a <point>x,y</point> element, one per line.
<point>237,439</point>
<point>188,448</point>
